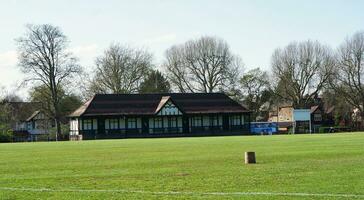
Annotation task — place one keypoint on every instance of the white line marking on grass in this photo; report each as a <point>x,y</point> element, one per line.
<point>187,193</point>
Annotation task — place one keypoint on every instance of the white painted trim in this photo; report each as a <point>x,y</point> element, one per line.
<point>169,111</point>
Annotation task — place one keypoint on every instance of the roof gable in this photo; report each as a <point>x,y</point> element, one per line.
<point>81,109</point>
<point>33,115</point>
<point>167,107</point>
<point>314,109</point>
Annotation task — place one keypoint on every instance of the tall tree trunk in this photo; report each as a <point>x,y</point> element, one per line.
<point>57,117</point>
<point>58,129</point>
<point>55,100</point>
<point>361,125</point>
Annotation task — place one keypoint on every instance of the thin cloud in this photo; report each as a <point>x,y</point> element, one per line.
<point>8,59</point>
<point>161,39</point>
<point>84,50</point>
<point>86,53</point>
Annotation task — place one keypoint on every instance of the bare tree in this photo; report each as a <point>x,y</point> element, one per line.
<point>349,77</point>
<point>121,70</point>
<point>202,65</point>
<point>43,56</point>
<point>9,96</point>
<point>301,71</point>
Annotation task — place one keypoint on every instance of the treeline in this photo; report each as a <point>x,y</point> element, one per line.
<point>299,72</point>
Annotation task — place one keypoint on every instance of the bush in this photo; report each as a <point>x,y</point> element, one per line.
<point>64,135</point>
<point>6,134</point>
<point>290,130</point>
<point>323,129</point>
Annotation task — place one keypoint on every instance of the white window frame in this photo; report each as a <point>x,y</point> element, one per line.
<point>87,124</point>
<point>113,124</point>
<point>235,120</point>
<point>172,122</point>
<point>317,117</point>
<point>197,119</point>
<point>132,121</point>
<point>158,122</point>
<point>214,120</point>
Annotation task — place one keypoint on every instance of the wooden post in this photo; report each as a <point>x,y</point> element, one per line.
<point>250,157</point>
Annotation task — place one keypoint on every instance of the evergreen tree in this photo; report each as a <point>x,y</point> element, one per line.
<point>155,83</point>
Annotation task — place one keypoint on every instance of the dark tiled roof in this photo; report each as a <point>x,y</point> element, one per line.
<point>147,104</point>
<point>326,111</point>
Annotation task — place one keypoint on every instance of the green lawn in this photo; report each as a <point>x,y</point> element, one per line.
<point>186,168</point>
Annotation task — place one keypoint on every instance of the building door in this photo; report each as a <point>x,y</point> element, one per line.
<point>145,125</point>
<point>185,125</point>
<point>225,122</point>
<point>101,126</point>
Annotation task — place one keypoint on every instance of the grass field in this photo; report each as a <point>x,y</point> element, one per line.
<point>323,166</point>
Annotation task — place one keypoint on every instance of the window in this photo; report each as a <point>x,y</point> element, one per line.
<point>317,117</point>
<point>132,124</point>
<point>169,105</point>
<point>113,124</point>
<point>235,120</point>
<point>158,122</point>
<point>197,121</point>
<point>87,124</point>
<point>172,122</point>
<point>214,120</point>
<point>169,109</point>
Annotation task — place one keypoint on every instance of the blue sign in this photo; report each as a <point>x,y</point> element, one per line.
<point>301,115</point>
<point>263,127</point>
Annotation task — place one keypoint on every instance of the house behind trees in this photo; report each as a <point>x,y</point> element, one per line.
<point>28,122</point>
<point>321,114</point>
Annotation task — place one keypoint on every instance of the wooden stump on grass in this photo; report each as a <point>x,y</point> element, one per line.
<point>250,158</point>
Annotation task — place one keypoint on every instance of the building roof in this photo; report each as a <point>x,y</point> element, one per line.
<point>313,109</point>
<point>33,115</point>
<point>82,108</point>
<point>330,110</point>
<point>148,104</point>
<point>162,102</point>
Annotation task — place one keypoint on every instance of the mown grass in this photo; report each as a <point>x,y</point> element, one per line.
<point>319,164</point>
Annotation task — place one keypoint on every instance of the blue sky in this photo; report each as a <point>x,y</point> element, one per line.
<point>252,28</point>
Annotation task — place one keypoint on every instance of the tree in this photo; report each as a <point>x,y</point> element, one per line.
<point>6,133</point>
<point>202,65</point>
<point>301,70</point>
<point>12,98</point>
<point>120,70</point>
<point>343,111</point>
<point>43,56</point>
<point>6,118</point>
<point>8,96</point>
<point>255,91</point>
<point>155,83</point>
<point>68,102</point>
<point>348,81</point>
